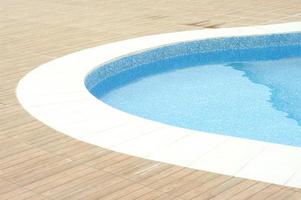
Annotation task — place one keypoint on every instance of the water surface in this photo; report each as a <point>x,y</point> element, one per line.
<point>255,99</point>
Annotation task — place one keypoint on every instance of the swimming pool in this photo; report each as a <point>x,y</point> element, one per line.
<point>244,86</point>
<point>58,94</point>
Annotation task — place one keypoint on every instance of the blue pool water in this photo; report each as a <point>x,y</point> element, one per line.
<point>249,92</point>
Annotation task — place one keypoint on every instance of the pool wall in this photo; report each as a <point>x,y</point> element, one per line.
<point>206,48</point>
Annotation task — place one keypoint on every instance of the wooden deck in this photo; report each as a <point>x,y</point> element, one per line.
<point>37,162</point>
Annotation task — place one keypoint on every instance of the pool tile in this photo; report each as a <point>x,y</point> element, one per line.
<point>230,156</point>
<point>188,149</point>
<point>150,143</point>
<point>123,133</point>
<point>295,180</point>
<point>276,164</point>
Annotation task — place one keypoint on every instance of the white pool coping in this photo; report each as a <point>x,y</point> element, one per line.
<point>55,94</point>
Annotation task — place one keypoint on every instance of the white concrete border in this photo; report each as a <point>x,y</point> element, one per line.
<point>55,94</point>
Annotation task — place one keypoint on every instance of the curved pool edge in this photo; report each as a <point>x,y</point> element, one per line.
<point>67,106</point>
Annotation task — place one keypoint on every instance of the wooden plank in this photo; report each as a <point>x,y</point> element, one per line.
<point>251,191</point>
